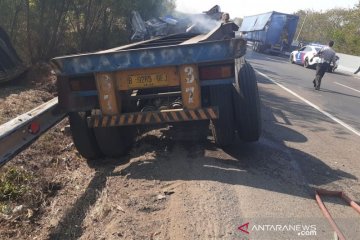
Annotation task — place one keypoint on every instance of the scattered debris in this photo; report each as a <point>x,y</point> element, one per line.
<point>120,209</point>
<point>169,192</point>
<point>163,26</point>
<point>160,197</point>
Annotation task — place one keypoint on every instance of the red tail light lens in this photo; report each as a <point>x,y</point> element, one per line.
<point>216,72</point>
<point>82,84</point>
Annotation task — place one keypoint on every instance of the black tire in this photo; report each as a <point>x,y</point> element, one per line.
<point>292,59</point>
<point>223,129</point>
<point>256,47</point>
<point>115,141</point>
<point>246,103</point>
<point>306,63</point>
<point>261,48</point>
<point>83,136</point>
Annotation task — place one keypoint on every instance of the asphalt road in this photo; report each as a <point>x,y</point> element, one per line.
<point>262,190</point>
<point>339,94</point>
<point>267,189</point>
<point>174,189</point>
<point>310,140</point>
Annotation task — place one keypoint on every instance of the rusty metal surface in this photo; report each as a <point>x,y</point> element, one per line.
<point>20,132</point>
<point>190,86</point>
<point>70,101</point>
<point>110,104</point>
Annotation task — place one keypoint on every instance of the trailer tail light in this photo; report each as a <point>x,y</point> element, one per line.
<point>34,128</point>
<point>216,72</point>
<point>82,84</point>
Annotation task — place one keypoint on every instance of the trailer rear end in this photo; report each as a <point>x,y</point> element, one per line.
<point>178,78</point>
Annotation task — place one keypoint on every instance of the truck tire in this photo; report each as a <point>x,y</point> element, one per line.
<point>260,48</point>
<point>222,129</point>
<point>192,131</point>
<point>246,103</point>
<point>115,141</point>
<point>255,47</point>
<point>291,59</point>
<point>306,63</point>
<point>83,136</point>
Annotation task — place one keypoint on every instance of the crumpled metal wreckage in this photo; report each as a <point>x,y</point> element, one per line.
<point>162,26</point>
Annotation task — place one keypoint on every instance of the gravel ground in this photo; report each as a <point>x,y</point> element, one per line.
<point>173,188</point>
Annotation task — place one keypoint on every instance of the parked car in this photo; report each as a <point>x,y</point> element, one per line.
<point>304,56</point>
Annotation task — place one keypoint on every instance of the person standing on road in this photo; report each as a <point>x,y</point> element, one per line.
<point>327,55</point>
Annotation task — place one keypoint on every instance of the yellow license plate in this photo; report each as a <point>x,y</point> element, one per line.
<point>147,80</point>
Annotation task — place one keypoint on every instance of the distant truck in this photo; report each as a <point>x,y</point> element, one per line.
<point>179,78</point>
<point>11,65</point>
<point>271,32</point>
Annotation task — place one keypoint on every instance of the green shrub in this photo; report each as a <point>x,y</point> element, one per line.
<point>14,183</point>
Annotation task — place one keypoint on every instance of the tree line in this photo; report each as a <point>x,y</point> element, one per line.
<point>340,25</point>
<point>42,29</point>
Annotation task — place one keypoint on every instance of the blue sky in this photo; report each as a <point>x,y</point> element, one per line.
<point>241,8</point>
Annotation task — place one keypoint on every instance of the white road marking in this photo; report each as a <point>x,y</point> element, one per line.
<point>347,87</point>
<point>274,59</point>
<point>335,119</point>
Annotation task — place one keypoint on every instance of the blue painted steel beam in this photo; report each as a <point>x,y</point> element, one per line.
<point>105,61</point>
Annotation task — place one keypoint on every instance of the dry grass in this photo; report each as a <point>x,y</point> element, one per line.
<point>16,101</point>
<point>30,183</point>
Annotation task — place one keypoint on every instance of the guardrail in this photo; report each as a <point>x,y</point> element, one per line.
<point>20,132</point>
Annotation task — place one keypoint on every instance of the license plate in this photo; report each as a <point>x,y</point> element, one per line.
<point>147,80</point>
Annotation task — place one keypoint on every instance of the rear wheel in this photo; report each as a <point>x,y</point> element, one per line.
<point>292,59</point>
<point>306,63</point>
<point>246,103</point>
<point>222,128</point>
<point>115,141</point>
<point>331,69</point>
<point>83,136</point>
<point>193,131</point>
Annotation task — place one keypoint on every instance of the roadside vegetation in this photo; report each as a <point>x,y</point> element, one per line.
<point>14,183</point>
<point>42,29</point>
<point>340,25</point>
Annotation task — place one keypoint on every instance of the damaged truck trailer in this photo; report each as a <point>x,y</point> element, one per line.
<point>183,77</point>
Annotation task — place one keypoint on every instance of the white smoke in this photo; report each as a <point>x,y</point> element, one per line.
<point>202,23</point>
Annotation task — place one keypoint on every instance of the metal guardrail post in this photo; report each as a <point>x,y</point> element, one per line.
<point>18,133</point>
